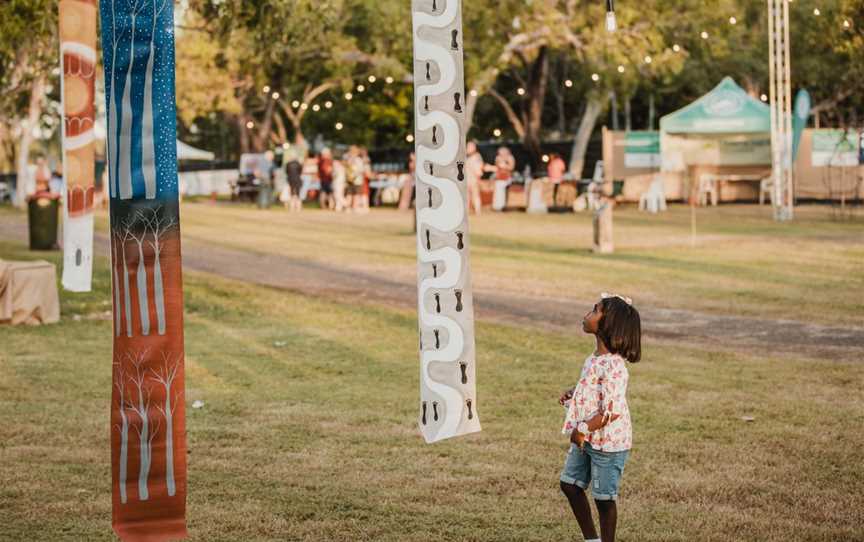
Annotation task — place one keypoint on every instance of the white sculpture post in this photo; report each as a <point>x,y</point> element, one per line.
<point>448,400</point>
<point>781,108</point>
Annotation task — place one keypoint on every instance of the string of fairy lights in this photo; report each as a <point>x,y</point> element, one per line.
<point>611,26</point>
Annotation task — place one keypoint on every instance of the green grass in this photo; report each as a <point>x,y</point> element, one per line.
<point>316,440</point>
<point>744,263</point>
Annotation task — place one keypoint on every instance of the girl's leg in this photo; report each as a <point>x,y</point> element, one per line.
<point>608,512</point>
<point>581,509</point>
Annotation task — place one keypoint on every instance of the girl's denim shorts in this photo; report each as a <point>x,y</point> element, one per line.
<point>601,471</point>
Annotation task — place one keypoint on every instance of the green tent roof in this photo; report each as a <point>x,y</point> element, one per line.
<point>726,109</point>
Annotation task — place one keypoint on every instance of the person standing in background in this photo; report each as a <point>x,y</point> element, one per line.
<point>556,168</point>
<point>325,177</point>
<point>293,172</point>
<point>474,169</point>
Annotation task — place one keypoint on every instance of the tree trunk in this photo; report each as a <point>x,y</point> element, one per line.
<point>652,111</point>
<point>116,287</point>
<point>143,449</point>
<point>124,451</point>
<point>126,296</point>
<point>159,293</point>
<point>593,109</point>
<point>470,107</point>
<point>33,114</point>
<point>628,118</point>
<point>536,101</point>
<point>169,444</point>
<point>143,304</point>
<point>244,133</point>
<point>613,98</point>
<point>148,153</point>
<point>296,122</point>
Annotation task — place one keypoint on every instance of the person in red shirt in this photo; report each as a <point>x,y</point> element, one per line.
<point>325,177</point>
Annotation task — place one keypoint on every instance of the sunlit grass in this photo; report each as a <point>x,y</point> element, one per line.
<point>308,429</point>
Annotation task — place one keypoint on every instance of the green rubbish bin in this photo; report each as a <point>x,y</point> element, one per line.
<point>265,198</point>
<point>42,217</point>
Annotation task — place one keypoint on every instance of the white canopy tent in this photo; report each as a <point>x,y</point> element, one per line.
<point>188,152</point>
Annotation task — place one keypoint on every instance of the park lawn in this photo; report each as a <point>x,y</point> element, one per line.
<point>744,263</point>
<point>316,439</point>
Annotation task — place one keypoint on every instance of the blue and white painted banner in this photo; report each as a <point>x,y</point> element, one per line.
<point>148,443</point>
<point>448,398</point>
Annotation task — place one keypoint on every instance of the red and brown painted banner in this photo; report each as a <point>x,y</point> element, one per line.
<point>78,68</point>
<point>148,443</point>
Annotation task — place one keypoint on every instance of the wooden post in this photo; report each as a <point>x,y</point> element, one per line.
<point>604,240</point>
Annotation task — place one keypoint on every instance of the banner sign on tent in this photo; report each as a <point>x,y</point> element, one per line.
<point>800,114</point>
<point>448,399</point>
<point>148,443</point>
<point>77,20</point>
<point>835,148</point>
<point>642,149</point>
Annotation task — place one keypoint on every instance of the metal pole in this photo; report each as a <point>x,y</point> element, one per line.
<point>789,202</point>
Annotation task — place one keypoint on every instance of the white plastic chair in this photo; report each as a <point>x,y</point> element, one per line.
<point>653,200</point>
<point>766,186</point>
<point>708,188</point>
<point>595,188</point>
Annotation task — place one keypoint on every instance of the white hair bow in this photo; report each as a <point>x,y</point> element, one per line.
<point>627,300</point>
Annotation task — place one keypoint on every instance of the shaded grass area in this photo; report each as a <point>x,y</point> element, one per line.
<point>744,263</point>
<point>308,431</point>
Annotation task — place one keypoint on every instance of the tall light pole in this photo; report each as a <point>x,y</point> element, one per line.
<point>781,108</point>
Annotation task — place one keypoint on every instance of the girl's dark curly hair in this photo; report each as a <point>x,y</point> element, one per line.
<point>620,329</point>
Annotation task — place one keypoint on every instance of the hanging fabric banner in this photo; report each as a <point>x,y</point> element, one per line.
<point>448,400</point>
<point>148,443</point>
<point>77,19</point>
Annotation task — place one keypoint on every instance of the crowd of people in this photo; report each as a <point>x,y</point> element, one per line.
<point>346,183</point>
<point>343,183</point>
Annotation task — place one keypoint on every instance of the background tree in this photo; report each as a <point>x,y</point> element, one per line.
<point>28,56</point>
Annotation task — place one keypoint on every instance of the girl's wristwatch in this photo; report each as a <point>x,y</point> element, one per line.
<point>582,427</point>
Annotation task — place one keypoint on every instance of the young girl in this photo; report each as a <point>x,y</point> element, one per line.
<point>598,419</point>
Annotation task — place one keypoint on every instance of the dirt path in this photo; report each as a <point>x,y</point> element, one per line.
<point>341,283</point>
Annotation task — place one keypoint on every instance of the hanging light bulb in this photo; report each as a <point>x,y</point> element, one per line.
<point>275,95</point>
<point>250,125</point>
<point>545,158</point>
<point>676,48</point>
<point>520,91</point>
<point>389,80</point>
<point>473,93</point>
<point>372,79</point>
<point>304,106</point>
<point>360,88</point>
<point>816,12</point>
<point>648,60</point>
<point>764,98</point>
<point>348,96</point>
<point>496,132</point>
<point>595,77</point>
<point>611,23</point>
<point>316,108</point>
<point>286,145</point>
<point>704,35</point>
<point>846,23</point>
<point>328,104</point>
<point>568,83</point>
<point>409,138</point>
<point>733,20</point>
<point>339,126</point>
<point>295,104</point>
<point>266,89</point>
<point>620,69</point>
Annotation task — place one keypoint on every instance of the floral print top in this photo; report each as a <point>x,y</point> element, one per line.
<point>602,387</point>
